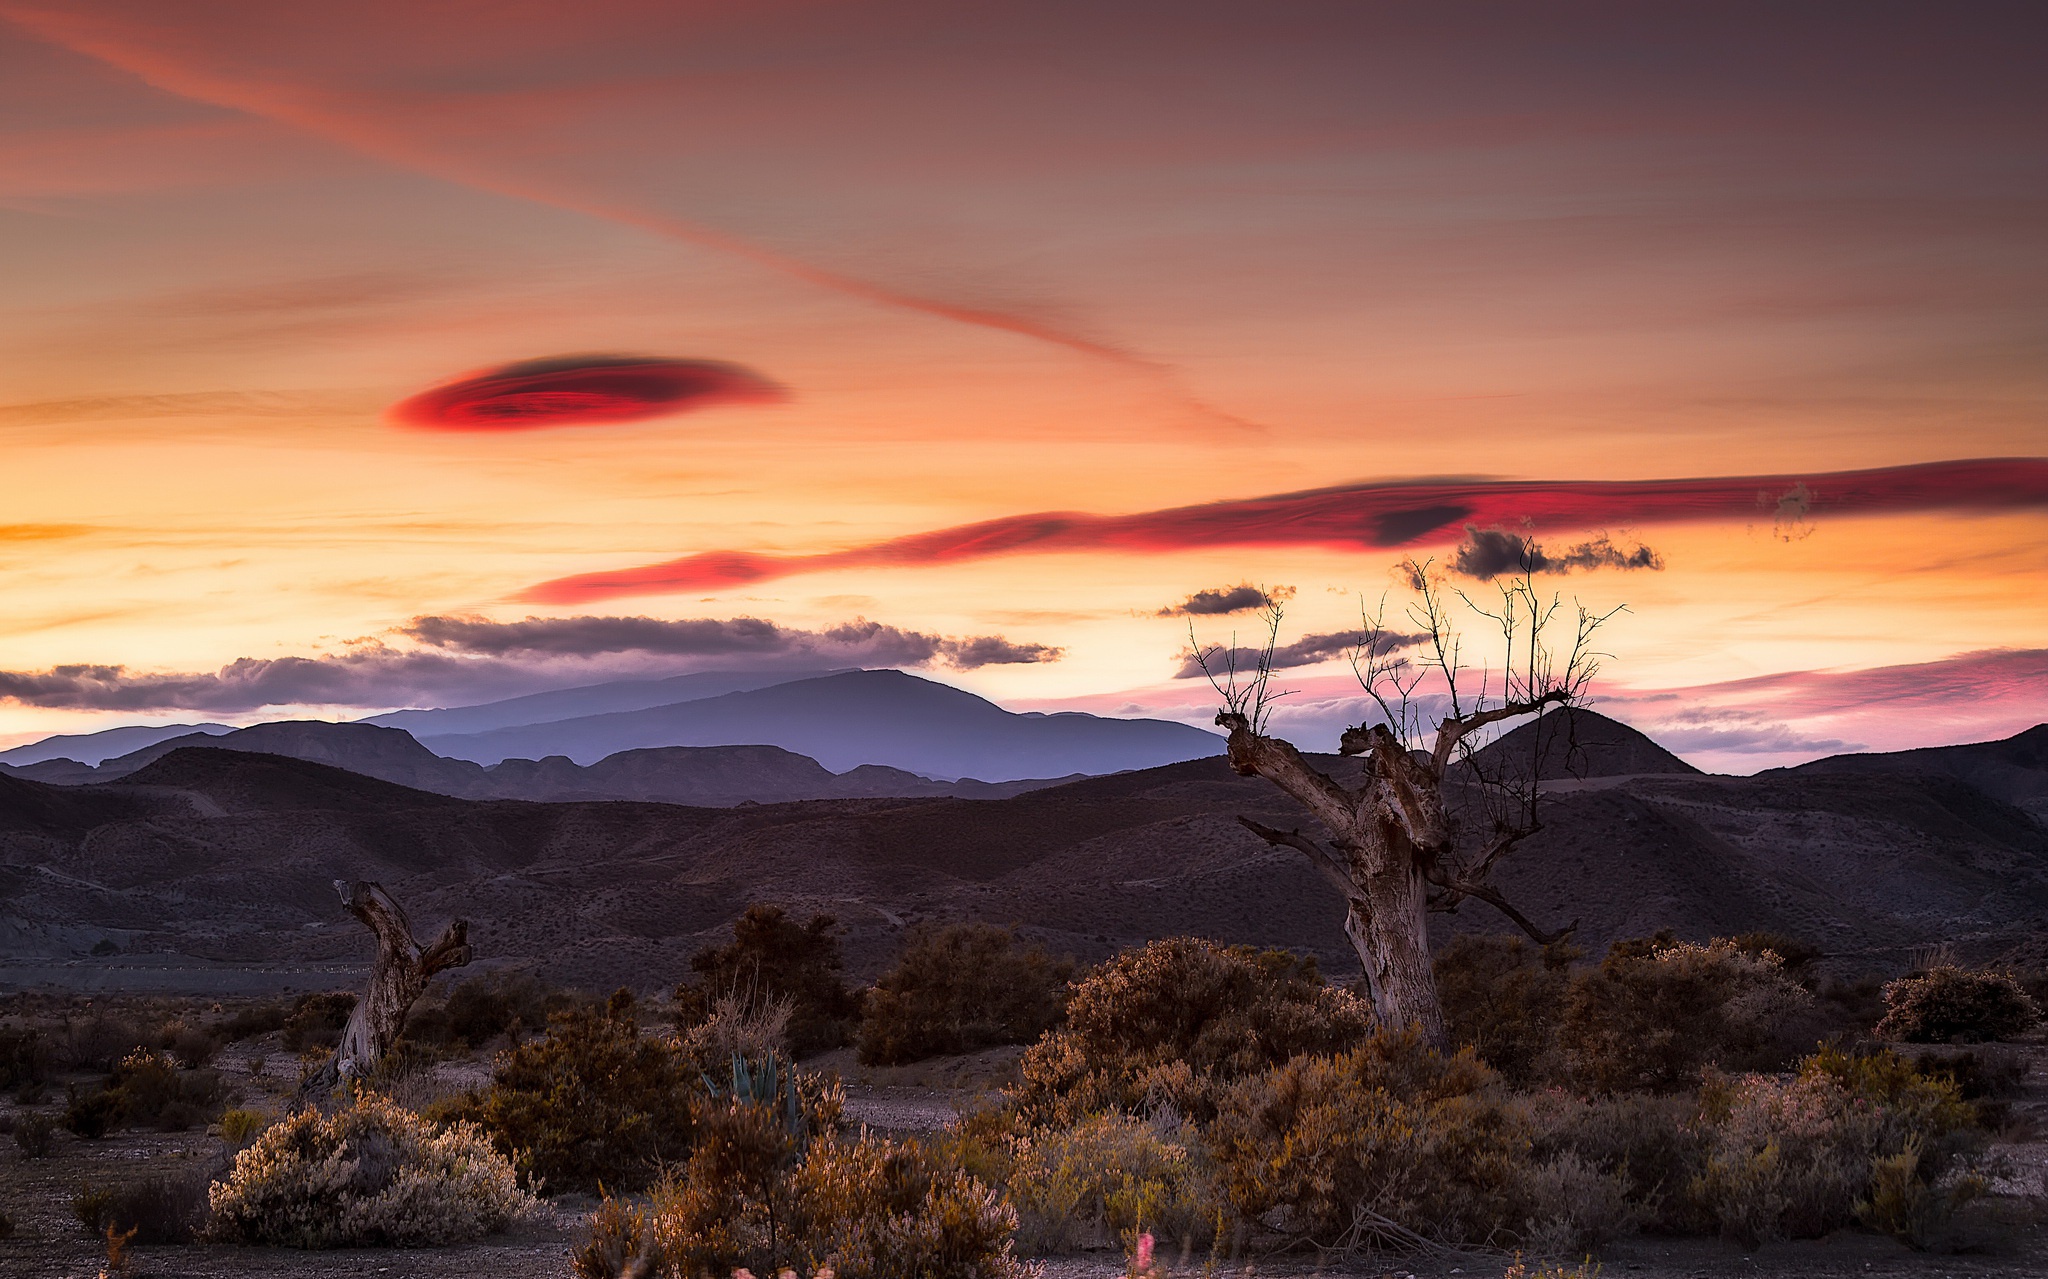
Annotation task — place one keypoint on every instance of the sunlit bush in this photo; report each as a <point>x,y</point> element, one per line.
<point>1948,1004</point>
<point>1110,1178</point>
<point>1391,1144</point>
<point>1161,1027</point>
<point>374,1174</point>
<point>1656,1012</point>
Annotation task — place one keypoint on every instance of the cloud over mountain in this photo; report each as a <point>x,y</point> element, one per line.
<point>460,659</point>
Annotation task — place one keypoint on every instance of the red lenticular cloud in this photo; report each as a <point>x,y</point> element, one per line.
<point>580,390</point>
<point>1387,515</point>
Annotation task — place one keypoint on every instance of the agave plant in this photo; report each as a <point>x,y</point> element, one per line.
<point>766,1084</point>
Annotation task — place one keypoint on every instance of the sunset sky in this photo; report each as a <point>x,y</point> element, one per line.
<point>981,338</point>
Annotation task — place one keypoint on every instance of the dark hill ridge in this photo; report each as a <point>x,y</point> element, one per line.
<point>2014,770</point>
<point>1579,743</point>
<point>230,856</point>
<point>863,717</point>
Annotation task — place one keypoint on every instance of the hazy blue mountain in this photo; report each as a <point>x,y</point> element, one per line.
<point>573,703</point>
<point>388,754</point>
<point>93,748</point>
<point>861,717</point>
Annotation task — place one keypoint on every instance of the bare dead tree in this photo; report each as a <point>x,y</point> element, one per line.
<point>397,979</point>
<point>1392,843</point>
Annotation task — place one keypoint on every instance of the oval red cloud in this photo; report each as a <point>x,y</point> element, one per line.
<point>580,390</point>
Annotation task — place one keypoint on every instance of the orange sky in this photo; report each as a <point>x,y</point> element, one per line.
<point>1007,259</point>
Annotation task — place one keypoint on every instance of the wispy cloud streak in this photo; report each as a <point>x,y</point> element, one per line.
<point>1358,516</point>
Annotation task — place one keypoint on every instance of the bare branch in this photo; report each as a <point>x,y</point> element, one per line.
<point>1332,867</point>
<point>1252,754</point>
<point>1456,889</point>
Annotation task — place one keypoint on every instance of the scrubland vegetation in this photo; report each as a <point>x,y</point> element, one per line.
<point>1210,1101</point>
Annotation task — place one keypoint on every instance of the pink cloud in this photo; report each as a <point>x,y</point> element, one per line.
<point>577,390</point>
<point>1354,516</point>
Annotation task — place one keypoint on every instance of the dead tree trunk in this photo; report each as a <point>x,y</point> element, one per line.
<point>1390,850</point>
<point>397,979</point>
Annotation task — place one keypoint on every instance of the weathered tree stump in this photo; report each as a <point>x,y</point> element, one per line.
<point>398,978</point>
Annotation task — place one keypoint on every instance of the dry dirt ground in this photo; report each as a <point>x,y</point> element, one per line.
<point>50,1244</point>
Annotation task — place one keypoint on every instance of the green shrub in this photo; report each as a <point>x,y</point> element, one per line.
<point>1502,998</point>
<point>36,1135</point>
<point>865,1207</point>
<point>317,1020</point>
<point>960,989</point>
<point>1794,1157</point>
<point>1657,1011</point>
<point>373,1175</point>
<point>167,1208</point>
<point>1164,1025</point>
<point>1390,1144</point>
<point>593,1102</point>
<point>1108,1179</point>
<point>1948,1004</point>
<point>770,956</point>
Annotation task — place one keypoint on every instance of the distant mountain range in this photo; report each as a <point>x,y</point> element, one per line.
<point>92,748</point>
<point>880,733</point>
<point>227,857</point>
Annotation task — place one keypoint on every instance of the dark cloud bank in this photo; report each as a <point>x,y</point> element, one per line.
<point>1490,553</point>
<point>1241,598</point>
<point>457,659</point>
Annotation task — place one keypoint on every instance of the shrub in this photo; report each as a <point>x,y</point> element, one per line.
<point>99,1040</point>
<point>316,1021</point>
<point>1390,1144</point>
<point>189,1045</point>
<point>1164,1025</point>
<point>772,955</point>
<point>593,1101</point>
<point>1650,1146</point>
<point>513,1005</point>
<point>373,1175</point>
<point>960,989</point>
<point>168,1208</point>
<point>1574,1207</point>
<point>24,1058</point>
<point>1948,1004</point>
<point>865,1207</point>
<point>1107,1180</point>
<point>247,1023</point>
<point>1793,1158</point>
<point>91,1112</point>
<point>238,1127</point>
<point>36,1135</point>
<point>1657,1011</point>
<point>1501,998</point>
<point>150,1089</point>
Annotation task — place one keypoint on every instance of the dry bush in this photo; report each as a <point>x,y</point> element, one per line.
<point>24,1057</point>
<point>167,1208</point>
<point>317,1020</point>
<point>36,1135</point>
<point>1574,1207</point>
<point>756,1196</point>
<point>1794,1157</point>
<point>1949,1004</point>
<point>1502,998</point>
<point>373,1175</point>
<point>238,1128</point>
<point>960,989</point>
<point>1391,1144</point>
<point>773,956</point>
<point>1657,1011</point>
<point>1108,1179</point>
<point>1651,1147</point>
<point>593,1102</point>
<point>1162,1026</point>
<point>752,1029</point>
<point>99,1039</point>
<point>510,1004</point>
<point>146,1088</point>
<point>247,1023</point>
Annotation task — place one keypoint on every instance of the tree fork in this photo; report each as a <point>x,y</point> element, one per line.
<point>397,980</point>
